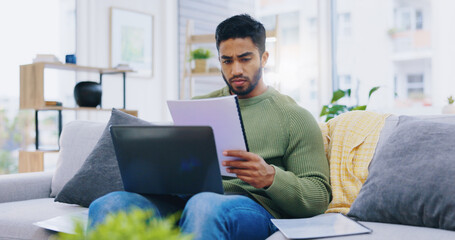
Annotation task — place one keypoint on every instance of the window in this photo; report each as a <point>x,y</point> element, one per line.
<point>344,81</point>
<point>344,24</point>
<point>42,27</point>
<point>312,23</point>
<point>403,19</point>
<point>297,73</point>
<point>395,50</point>
<point>415,86</point>
<point>390,44</point>
<point>419,19</point>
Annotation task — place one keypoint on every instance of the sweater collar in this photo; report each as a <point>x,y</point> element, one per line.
<point>251,101</point>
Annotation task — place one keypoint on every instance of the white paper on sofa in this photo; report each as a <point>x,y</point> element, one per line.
<point>65,223</point>
<point>324,225</point>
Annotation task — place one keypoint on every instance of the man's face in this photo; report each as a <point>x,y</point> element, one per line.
<point>241,66</point>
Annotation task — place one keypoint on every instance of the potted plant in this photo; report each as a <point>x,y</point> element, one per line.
<point>200,56</point>
<point>334,109</point>
<point>449,108</point>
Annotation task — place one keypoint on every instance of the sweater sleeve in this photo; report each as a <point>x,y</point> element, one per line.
<point>302,188</point>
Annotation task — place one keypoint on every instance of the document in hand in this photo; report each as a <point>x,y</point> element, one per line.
<point>320,226</point>
<point>222,114</point>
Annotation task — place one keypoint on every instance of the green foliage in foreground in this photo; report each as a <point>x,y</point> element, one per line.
<point>136,224</point>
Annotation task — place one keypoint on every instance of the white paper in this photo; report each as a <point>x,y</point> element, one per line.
<point>65,223</point>
<point>324,225</point>
<point>221,113</point>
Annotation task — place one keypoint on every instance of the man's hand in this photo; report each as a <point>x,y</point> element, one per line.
<point>253,169</point>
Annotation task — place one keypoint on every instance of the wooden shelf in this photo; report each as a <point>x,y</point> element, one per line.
<point>132,112</point>
<point>74,67</point>
<point>32,97</point>
<point>32,81</point>
<point>31,161</point>
<point>208,74</point>
<point>210,38</point>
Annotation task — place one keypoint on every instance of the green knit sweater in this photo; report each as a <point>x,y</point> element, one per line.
<point>286,136</point>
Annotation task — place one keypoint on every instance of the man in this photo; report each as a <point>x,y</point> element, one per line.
<point>284,175</point>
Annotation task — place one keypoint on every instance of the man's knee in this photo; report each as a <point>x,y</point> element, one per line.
<point>116,201</point>
<point>203,207</point>
<point>205,202</point>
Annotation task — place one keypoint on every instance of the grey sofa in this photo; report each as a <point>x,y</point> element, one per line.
<point>26,198</point>
<point>29,197</point>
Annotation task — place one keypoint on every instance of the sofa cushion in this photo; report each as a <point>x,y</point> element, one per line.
<point>99,174</point>
<point>17,218</point>
<point>76,142</point>
<point>392,121</point>
<point>411,179</point>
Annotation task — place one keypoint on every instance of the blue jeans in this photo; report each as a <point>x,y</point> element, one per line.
<point>206,215</point>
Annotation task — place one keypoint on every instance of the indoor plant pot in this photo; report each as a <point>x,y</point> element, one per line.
<point>449,108</point>
<point>200,65</point>
<point>200,57</point>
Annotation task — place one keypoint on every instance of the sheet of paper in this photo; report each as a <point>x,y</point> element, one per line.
<point>324,225</point>
<point>65,223</point>
<point>222,114</point>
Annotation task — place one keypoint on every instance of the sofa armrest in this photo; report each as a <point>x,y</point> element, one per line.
<point>24,186</point>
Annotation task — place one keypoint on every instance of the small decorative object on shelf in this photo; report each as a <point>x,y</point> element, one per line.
<point>46,58</point>
<point>123,67</point>
<point>87,94</point>
<point>70,58</point>
<point>200,57</point>
<point>53,104</point>
<point>449,108</point>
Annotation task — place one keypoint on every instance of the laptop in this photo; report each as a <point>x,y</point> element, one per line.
<point>173,160</point>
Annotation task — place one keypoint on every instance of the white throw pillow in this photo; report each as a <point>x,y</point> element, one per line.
<point>76,142</point>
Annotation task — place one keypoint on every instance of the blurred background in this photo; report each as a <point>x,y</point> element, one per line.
<point>405,47</point>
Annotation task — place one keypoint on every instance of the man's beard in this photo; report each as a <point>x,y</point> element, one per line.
<point>250,87</point>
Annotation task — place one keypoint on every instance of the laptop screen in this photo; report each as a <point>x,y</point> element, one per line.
<point>167,159</point>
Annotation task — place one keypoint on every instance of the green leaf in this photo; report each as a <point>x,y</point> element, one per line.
<point>363,107</point>
<point>337,95</point>
<point>338,109</point>
<point>324,111</point>
<point>374,89</point>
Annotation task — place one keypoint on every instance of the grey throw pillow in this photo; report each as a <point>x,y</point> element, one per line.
<point>412,179</point>
<point>99,174</point>
<point>76,142</point>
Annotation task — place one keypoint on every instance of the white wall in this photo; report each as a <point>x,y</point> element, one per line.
<point>147,95</point>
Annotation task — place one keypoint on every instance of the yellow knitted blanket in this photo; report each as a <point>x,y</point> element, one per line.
<point>350,140</point>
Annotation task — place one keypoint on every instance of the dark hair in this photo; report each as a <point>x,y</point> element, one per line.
<point>241,26</point>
